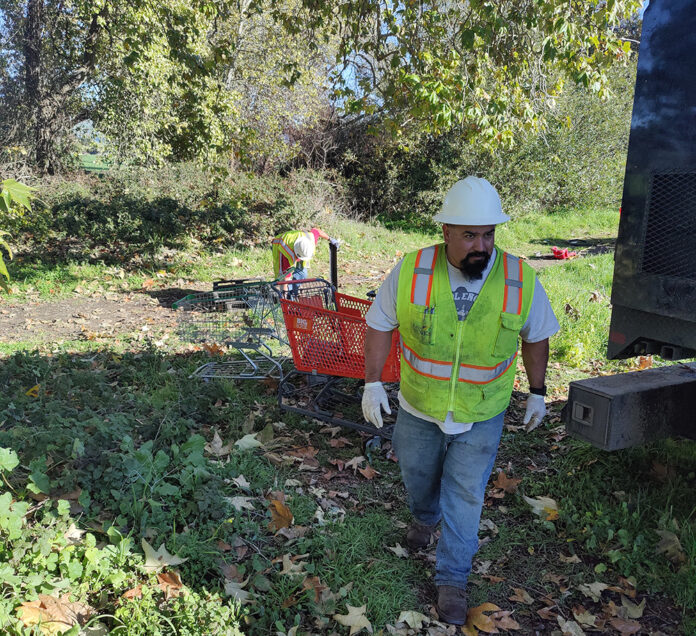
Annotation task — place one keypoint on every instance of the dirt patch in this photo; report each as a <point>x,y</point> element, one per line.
<point>83,318</point>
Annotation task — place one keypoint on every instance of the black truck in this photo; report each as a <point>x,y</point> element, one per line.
<point>654,288</point>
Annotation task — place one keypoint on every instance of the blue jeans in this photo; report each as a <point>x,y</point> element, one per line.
<point>446,476</point>
<point>300,273</point>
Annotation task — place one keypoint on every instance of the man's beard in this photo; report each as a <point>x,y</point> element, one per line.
<point>473,270</point>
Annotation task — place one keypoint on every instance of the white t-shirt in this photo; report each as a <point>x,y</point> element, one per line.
<point>541,322</point>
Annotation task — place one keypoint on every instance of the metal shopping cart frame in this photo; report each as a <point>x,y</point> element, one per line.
<point>242,315</point>
<point>327,344</point>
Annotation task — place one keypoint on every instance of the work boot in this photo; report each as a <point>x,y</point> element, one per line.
<point>418,535</point>
<point>451,604</point>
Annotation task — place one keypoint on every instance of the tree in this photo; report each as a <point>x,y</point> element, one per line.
<point>199,79</point>
<point>211,86</point>
<point>482,67</point>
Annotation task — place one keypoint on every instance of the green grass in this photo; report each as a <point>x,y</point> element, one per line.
<point>122,422</point>
<point>93,163</point>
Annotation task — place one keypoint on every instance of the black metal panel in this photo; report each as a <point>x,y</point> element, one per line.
<point>627,409</point>
<point>655,260</point>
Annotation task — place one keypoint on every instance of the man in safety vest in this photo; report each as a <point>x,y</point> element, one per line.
<point>460,307</point>
<point>295,249</point>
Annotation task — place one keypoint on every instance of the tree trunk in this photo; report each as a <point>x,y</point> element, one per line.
<point>33,84</point>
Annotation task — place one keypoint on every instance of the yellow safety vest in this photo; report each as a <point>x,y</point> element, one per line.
<point>465,366</point>
<point>284,245</point>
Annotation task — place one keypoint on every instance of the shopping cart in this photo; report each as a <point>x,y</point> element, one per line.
<point>243,315</point>
<point>327,338</point>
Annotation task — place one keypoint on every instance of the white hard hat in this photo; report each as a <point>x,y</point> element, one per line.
<point>304,247</point>
<point>471,201</point>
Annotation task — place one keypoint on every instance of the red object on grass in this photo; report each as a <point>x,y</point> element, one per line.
<point>562,253</point>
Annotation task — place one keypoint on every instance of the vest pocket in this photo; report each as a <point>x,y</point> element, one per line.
<point>506,341</point>
<point>422,322</point>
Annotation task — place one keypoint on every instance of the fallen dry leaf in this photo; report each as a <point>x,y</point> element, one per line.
<point>493,579</point>
<point>508,484</point>
<point>399,551</point>
<point>214,349</point>
<point>247,442</point>
<point>240,503</point>
<point>670,546</point>
<point>543,507</point>
<point>593,590</point>
<point>355,619</point>
<point>644,362</point>
<point>281,515</point>
<point>291,565</point>
<point>53,615</point>
<point>242,482</point>
<point>355,462</point>
<point>547,613</point>
<point>625,626</point>
<point>477,619</point>
<point>340,442</point>
<point>569,628</point>
<point>633,610</point>
<point>170,583</point>
<point>413,619</point>
<point>584,617</point>
<point>134,592</point>
<point>504,620</point>
<point>368,472</point>
<point>569,559</point>
<point>521,596</point>
<point>315,584</point>
<point>216,448</point>
<point>157,559</point>
<point>236,591</point>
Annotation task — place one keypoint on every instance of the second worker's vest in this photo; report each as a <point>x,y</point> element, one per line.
<point>284,245</point>
<point>465,366</point>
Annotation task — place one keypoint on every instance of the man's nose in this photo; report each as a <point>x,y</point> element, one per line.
<point>478,245</point>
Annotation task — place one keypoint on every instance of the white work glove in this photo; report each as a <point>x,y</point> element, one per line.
<point>373,401</point>
<point>536,410</point>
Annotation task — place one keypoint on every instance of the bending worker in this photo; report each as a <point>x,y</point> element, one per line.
<point>460,307</point>
<point>295,249</point>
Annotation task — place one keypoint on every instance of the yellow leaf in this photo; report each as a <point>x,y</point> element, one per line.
<point>477,619</point>
<point>34,391</point>
<point>355,619</point>
<point>281,515</point>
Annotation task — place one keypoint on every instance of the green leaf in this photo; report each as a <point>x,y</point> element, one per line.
<point>18,192</point>
<point>8,460</point>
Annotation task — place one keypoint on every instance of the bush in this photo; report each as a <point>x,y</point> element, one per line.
<point>137,210</point>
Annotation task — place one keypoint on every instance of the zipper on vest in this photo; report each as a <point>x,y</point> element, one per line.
<point>455,367</point>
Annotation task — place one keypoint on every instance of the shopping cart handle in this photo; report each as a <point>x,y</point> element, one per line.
<point>335,242</point>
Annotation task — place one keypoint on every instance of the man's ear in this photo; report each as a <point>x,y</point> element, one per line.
<point>445,232</point>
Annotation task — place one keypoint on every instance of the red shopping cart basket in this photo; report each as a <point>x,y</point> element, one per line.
<point>330,341</point>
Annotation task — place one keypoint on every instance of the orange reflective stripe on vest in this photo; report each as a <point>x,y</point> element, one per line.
<point>437,370</point>
<point>423,366</point>
<point>512,299</point>
<point>284,249</point>
<point>422,283</point>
